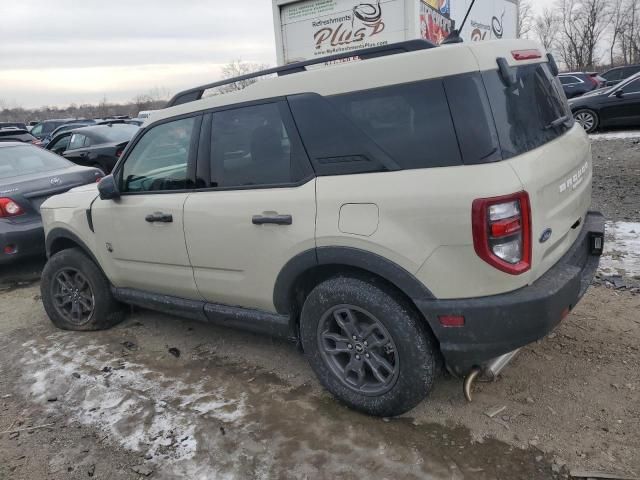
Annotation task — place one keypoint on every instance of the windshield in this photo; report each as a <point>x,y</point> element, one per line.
<point>117,133</point>
<point>529,113</point>
<point>25,160</point>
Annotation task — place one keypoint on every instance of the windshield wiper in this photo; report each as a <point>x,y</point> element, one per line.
<point>557,122</point>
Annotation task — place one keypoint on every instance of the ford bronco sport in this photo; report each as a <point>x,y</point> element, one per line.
<point>423,206</point>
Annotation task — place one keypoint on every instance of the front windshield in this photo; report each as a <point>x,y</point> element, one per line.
<point>25,160</point>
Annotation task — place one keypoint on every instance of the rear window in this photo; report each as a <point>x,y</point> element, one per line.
<point>15,161</point>
<point>524,112</point>
<point>410,122</point>
<point>118,133</point>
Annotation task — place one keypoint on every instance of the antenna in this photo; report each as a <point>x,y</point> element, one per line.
<point>454,36</point>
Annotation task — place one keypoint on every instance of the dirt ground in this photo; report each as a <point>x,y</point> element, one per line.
<point>162,397</point>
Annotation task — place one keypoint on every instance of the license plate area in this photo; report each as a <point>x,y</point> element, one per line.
<point>596,243</point>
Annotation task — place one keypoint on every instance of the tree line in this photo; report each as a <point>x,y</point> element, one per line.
<point>585,34</point>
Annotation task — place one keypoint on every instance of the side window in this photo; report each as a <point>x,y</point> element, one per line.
<point>410,122</point>
<point>77,141</point>
<point>253,146</point>
<point>565,80</point>
<point>87,142</point>
<point>61,144</point>
<point>632,87</point>
<point>158,162</point>
<point>37,130</point>
<point>612,75</point>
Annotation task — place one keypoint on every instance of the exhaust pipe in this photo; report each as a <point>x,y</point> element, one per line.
<point>489,372</point>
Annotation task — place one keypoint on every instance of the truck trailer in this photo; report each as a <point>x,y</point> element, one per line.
<point>307,29</point>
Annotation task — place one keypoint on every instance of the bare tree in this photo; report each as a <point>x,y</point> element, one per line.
<point>583,23</point>
<point>238,68</point>
<point>546,28</point>
<point>525,19</point>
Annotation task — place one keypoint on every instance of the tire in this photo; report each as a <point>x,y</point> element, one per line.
<point>588,119</point>
<point>410,354</point>
<point>76,294</point>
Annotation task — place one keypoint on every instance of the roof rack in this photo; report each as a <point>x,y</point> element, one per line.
<point>196,93</point>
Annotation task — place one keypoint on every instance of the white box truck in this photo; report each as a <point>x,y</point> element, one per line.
<point>307,29</point>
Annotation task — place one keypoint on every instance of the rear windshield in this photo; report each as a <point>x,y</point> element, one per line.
<point>117,133</point>
<point>19,160</point>
<point>525,113</point>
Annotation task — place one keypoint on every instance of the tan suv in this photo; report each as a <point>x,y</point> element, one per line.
<point>422,206</point>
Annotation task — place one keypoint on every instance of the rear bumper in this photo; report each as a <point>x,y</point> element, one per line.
<point>27,236</point>
<point>498,324</point>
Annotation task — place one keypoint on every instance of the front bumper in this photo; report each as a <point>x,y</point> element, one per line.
<point>25,235</point>
<point>498,324</point>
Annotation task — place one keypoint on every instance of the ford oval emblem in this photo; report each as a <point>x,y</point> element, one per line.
<point>545,235</point>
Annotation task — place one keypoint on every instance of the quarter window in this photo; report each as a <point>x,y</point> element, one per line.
<point>158,162</point>
<point>410,122</point>
<point>77,141</point>
<point>632,87</point>
<point>253,146</point>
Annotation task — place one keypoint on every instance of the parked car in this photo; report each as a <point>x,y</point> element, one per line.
<point>62,128</point>
<point>19,125</point>
<point>14,134</point>
<point>98,146</point>
<point>28,176</point>
<point>616,106</point>
<point>618,74</point>
<point>575,84</point>
<point>44,128</point>
<point>387,214</point>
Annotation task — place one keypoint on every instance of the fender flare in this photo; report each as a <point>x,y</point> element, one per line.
<point>347,256</point>
<point>62,233</point>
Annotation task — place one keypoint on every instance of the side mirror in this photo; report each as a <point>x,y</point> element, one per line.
<point>619,94</point>
<point>108,188</point>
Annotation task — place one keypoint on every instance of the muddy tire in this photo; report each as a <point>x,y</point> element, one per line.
<point>588,119</point>
<point>76,294</point>
<point>367,346</point>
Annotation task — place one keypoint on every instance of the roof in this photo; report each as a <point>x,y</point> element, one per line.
<point>366,74</point>
<point>14,144</point>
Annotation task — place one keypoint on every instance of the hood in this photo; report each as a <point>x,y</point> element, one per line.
<point>78,197</point>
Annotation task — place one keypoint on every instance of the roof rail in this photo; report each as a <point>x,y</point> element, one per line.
<point>196,93</point>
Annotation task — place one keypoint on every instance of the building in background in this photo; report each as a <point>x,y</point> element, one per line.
<point>314,28</point>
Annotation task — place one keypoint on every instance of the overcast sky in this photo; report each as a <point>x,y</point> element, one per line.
<point>57,52</point>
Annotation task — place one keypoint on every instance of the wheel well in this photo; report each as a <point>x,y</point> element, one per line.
<point>309,279</point>
<point>62,243</point>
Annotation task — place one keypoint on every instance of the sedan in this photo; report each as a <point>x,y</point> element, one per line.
<point>99,146</point>
<point>609,107</point>
<point>62,128</point>
<point>28,176</point>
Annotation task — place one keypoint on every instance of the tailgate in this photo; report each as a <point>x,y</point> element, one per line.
<point>558,180</point>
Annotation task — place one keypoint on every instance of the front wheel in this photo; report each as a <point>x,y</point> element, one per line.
<point>367,346</point>
<point>76,294</point>
<point>587,119</point>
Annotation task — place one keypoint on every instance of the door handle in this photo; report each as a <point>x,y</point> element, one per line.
<point>159,217</point>
<point>275,219</point>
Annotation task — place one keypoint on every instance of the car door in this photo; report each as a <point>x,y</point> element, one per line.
<point>258,210</point>
<point>141,234</point>
<point>571,85</point>
<point>76,151</point>
<point>622,106</point>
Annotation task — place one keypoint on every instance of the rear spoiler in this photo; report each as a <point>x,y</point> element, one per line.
<point>508,77</point>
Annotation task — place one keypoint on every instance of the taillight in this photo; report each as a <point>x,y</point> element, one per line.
<point>9,208</point>
<point>119,152</point>
<point>502,231</point>
<point>526,54</point>
<point>594,81</point>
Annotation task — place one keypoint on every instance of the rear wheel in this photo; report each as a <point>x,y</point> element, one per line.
<point>588,119</point>
<point>76,294</point>
<point>367,346</point>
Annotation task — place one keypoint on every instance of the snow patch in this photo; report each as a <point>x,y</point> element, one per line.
<point>615,135</point>
<point>621,254</point>
<point>141,409</point>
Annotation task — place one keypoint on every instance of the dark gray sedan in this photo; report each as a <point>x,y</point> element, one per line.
<point>28,176</point>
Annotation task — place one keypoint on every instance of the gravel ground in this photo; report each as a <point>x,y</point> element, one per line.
<point>171,398</point>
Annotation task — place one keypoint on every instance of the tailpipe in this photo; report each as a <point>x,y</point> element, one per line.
<point>487,373</point>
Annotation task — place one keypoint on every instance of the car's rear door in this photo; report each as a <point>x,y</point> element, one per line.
<point>141,234</point>
<point>259,208</point>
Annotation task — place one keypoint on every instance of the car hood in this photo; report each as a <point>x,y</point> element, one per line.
<point>78,197</point>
